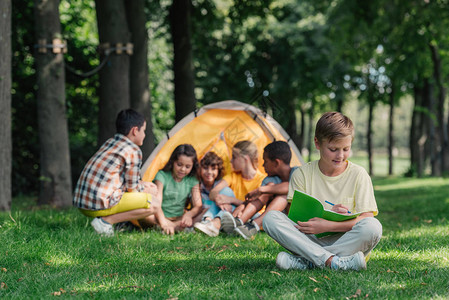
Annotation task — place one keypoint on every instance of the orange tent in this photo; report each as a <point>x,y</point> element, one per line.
<point>217,127</point>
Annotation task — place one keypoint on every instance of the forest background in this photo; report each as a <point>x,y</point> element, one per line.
<point>67,68</point>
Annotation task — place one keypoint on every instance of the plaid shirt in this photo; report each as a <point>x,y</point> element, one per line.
<point>113,170</point>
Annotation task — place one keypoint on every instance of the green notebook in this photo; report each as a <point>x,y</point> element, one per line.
<point>305,207</point>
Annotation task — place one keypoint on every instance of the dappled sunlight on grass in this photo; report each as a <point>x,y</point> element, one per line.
<point>61,259</point>
<point>388,184</point>
<point>413,259</point>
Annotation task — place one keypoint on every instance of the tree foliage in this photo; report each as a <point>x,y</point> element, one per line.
<point>294,59</point>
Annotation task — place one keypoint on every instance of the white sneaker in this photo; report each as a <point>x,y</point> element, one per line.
<point>101,227</point>
<point>287,261</point>
<point>207,227</point>
<point>353,262</point>
<point>229,223</point>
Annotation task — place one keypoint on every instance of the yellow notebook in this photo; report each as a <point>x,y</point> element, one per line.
<point>305,207</point>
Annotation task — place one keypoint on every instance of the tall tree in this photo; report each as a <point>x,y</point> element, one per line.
<point>440,106</point>
<point>5,105</point>
<point>180,22</point>
<point>56,184</point>
<point>418,132</point>
<point>369,132</point>
<point>138,72</point>
<point>114,77</point>
<point>392,100</point>
<point>416,30</point>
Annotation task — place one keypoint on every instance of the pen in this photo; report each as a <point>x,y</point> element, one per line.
<point>333,204</point>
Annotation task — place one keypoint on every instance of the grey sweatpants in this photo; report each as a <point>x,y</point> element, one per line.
<point>364,236</point>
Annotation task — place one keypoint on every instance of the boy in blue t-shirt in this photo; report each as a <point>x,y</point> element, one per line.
<point>272,193</point>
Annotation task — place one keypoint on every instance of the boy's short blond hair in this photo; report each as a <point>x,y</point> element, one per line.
<point>333,126</point>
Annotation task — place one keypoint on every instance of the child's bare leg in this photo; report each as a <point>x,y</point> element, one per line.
<point>178,226</point>
<point>216,222</point>
<point>199,216</point>
<point>278,203</point>
<point>253,207</point>
<point>250,210</point>
<point>129,215</point>
<point>238,210</point>
<point>147,222</point>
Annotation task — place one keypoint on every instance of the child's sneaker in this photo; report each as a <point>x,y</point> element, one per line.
<point>287,261</point>
<point>229,223</point>
<point>102,227</point>
<point>352,262</point>
<point>247,230</point>
<point>124,227</point>
<point>206,227</point>
<point>189,230</point>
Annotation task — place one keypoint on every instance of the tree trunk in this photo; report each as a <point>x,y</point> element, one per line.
<point>56,184</point>
<point>138,75</point>
<point>442,129</point>
<point>292,125</point>
<point>433,141</point>
<point>391,132</point>
<point>302,129</point>
<point>413,136</point>
<point>339,101</point>
<point>114,77</point>
<point>5,106</point>
<point>185,101</point>
<point>369,133</point>
<point>418,133</point>
<point>310,143</point>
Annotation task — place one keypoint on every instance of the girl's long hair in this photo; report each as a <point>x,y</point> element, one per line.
<point>183,149</point>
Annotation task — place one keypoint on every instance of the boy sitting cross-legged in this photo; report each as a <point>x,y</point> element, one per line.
<point>331,178</point>
<point>272,193</point>
<point>109,188</point>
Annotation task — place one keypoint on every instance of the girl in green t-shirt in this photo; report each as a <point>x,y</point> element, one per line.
<point>175,183</point>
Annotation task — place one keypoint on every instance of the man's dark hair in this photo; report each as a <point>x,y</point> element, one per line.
<point>127,119</point>
<point>278,150</point>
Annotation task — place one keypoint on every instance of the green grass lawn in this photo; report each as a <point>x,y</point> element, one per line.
<point>45,253</point>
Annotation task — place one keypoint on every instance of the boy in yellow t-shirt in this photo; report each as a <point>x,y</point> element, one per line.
<point>348,186</point>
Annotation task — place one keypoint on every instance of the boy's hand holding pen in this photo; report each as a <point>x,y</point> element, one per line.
<point>339,208</point>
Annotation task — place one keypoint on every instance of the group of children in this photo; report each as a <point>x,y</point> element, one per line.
<point>189,194</point>
<point>217,201</point>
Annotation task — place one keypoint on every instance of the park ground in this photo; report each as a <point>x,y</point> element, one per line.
<point>47,253</point>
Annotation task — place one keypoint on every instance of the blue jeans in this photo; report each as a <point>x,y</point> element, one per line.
<point>214,211</point>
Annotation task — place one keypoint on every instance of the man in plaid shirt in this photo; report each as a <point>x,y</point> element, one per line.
<point>109,188</point>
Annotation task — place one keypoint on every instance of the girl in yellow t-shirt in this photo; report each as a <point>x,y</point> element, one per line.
<point>244,178</point>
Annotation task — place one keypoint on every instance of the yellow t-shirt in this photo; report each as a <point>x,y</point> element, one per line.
<point>242,186</point>
<point>353,188</point>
